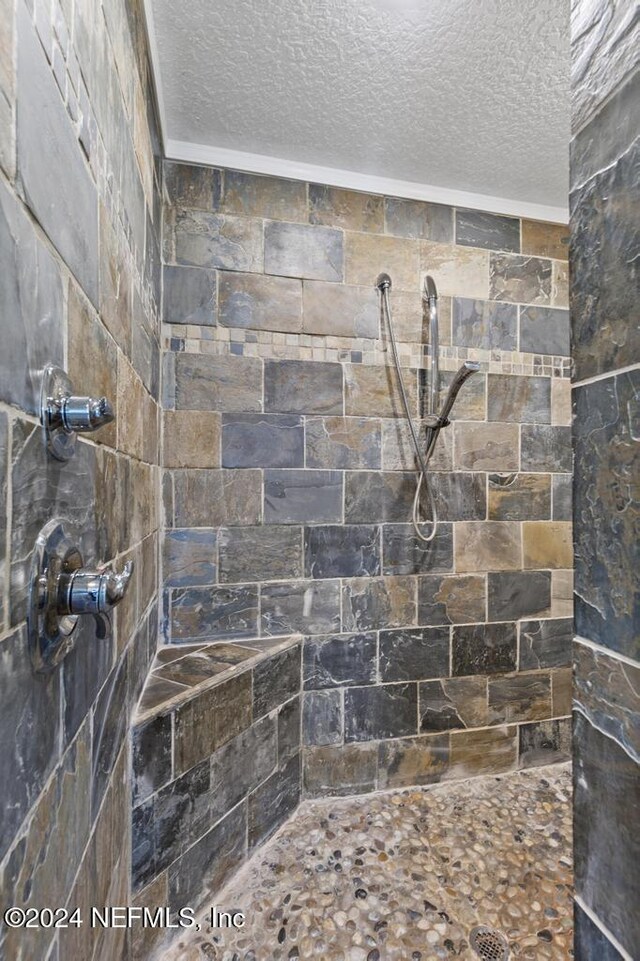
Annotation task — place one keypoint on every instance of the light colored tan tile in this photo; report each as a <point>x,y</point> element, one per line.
<point>340,311</point>
<point>374,391</point>
<point>348,209</point>
<point>547,544</point>
<point>545,240</point>
<point>457,271</point>
<point>191,440</point>
<point>366,255</point>
<point>487,546</point>
<point>561,402</point>
<point>480,446</point>
<point>561,691</point>
<point>562,593</point>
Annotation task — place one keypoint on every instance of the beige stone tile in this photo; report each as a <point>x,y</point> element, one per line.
<point>367,255</point>
<point>519,497</point>
<point>542,239</point>
<point>259,302</point>
<point>561,691</point>
<point>374,391</point>
<point>398,452</point>
<point>560,284</point>
<point>562,593</point>
<point>410,322</point>
<point>489,751</point>
<point>412,760</point>
<point>457,271</point>
<point>547,544</point>
<point>487,546</point>
<point>137,415</point>
<point>145,938</point>
<point>115,284</point>
<point>348,209</point>
<point>521,697</point>
<point>191,440</point>
<point>340,311</point>
<point>480,446</point>
<point>92,358</point>
<point>561,402</point>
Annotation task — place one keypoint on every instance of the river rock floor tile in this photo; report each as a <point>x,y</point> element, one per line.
<point>405,875</point>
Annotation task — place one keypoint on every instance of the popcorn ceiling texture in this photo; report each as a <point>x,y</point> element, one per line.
<point>417,92</point>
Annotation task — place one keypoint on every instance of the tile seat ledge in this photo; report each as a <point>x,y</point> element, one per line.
<point>182,672</point>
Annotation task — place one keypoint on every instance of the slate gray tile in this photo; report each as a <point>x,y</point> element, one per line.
<point>31,315</point>
<point>545,742</point>
<point>414,654</point>
<point>516,594</point>
<point>110,729</point>
<point>158,692</point>
<point>562,497</point>
<point>482,324</point>
<point>398,452</point>
<point>308,607</point>
<point>484,649</point>
<point>189,557</point>
<point>471,402</point>
<point>332,660</point>
<point>518,398</point>
<point>491,446</point>
<point>273,198</point>
<point>605,839</point>
<point>214,857</point>
<point>339,770</point>
<point>276,679</point>
<point>522,697</point>
<point>210,719</point>
<point>475,228</point>
<point>451,598</point>
<point>546,448</point>
<point>189,296</point>
<point>388,497</point>
<point>151,756</point>
<point>302,496</point>
<point>181,814</point>
<point>203,664</point>
<point>336,310</point>
<point>214,613</point>
<point>217,240</point>
<point>544,330</point>
<point>217,383</point>
<point>274,801</point>
<point>4,476</point>
<point>215,498</point>
<point>322,718</point>
<point>231,782</point>
<point>545,643</point>
<point>590,942</point>
<point>192,186</point>
<point>404,553</point>
<point>606,503</point>
<point>259,553</point>
<point>519,497</point>
<point>30,702</point>
<point>381,711</point>
<point>289,729</point>
<point>256,302</point>
<point>607,692</point>
<point>60,172</point>
<point>423,221</point>
<point>262,440</point>
<point>519,280</point>
<point>453,703</point>
<point>342,550</point>
<point>302,387</point>
<point>293,250</point>
<point>343,443</point>
<point>349,209</point>
<point>371,603</point>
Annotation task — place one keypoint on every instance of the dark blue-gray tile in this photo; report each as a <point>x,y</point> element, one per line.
<point>292,250</point>
<point>342,550</point>
<point>339,659</point>
<point>544,330</point>
<point>484,649</point>
<point>322,718</point>
<point>485,325</point>
<point>308,607</point>
<point>516,594</point>
<point>189,296</point>
<point>405,553</point>
<point>302,496</point>
<point>379,712</point>
<point>262,440</point>
<point>422,221</point>
<point>214,613</point>
<point>475,228</point>
<point>302,387</point>
<point>414,654</point>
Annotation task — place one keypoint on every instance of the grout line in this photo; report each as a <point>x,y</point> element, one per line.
<point>605,376</point>
<point>601,927</point>
<point>600,649</point>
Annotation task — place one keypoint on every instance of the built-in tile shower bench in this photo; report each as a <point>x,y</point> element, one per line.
<point>216,763</point>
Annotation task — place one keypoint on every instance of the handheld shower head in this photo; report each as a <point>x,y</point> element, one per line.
<point>468,368</point>
<point>430,291</point>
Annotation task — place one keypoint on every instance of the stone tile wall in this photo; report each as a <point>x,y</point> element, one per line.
<point>289,474</point>
<point>80,231</point>
<point>605,289</point>
<point>216,768</point>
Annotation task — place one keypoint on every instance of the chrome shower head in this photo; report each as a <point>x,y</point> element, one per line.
<point>468,368</point>
<point>383,282</point>
<point>430,291</point>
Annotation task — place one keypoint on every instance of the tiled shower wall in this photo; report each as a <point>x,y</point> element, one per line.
<point>605,299</point>
<point>289,475</point>
<point>79,287</point>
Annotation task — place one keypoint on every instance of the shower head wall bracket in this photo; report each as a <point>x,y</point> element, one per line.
<point>64,414</point>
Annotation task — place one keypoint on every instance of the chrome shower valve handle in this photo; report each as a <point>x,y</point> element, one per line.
<point>64,414</point>
<point>62,590</point>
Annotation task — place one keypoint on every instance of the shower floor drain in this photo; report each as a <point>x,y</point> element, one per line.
<point>489,944</point>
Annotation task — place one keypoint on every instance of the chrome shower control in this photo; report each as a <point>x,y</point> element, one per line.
<point>62,590</point>
<point>63,414</point>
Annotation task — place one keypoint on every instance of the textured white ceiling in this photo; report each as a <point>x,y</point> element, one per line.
<point>470,95</point>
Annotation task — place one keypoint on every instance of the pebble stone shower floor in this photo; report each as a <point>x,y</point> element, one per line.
<point>406,875</point>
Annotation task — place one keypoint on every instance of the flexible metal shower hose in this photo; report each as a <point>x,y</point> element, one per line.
<point>423,461</point>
